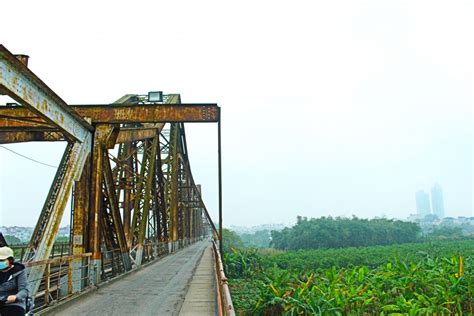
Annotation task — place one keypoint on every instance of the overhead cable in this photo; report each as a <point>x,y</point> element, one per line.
<point>34,160</point>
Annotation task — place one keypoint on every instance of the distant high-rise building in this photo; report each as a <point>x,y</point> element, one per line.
<point>437,203</point>
<point>422,203</point>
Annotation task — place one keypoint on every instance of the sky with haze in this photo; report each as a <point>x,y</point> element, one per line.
<point>328,107</point>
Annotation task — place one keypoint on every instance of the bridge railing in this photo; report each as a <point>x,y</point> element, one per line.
<point>154,250</point>
<point>66,275</point>
<point>224,300</point>
<point>112,264</point>
<point>59,276</point>
<point>60,249</point>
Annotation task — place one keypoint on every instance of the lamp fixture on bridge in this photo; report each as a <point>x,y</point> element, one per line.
<point>155,96</point>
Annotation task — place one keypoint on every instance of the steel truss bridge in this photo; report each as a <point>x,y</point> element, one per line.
<point>126,165</point>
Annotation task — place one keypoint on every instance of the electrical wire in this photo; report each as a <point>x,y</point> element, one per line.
<point>41,163</point>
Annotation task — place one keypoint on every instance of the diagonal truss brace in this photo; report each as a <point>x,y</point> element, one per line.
<point>47,227</point>
<point>21,84</point>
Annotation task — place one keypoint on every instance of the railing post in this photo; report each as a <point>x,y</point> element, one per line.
<point>87,275</point>
<point>69,276</point>
<point>47,275</point>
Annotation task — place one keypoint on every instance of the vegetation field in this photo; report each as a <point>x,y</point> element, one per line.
<point>410,279</point>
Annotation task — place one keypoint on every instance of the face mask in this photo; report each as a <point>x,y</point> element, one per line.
<point>3,265</point>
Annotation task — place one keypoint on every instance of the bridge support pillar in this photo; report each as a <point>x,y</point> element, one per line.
<point>139,255</point>
<point>95,267</point>
<point>96,200</point>
<point>79,223</point>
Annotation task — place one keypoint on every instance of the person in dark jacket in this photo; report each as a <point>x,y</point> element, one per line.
<point>13,285</point>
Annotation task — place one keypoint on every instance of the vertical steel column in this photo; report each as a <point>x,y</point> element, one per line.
<point>158,201</point>
<point>192,211</point>
<point>163,178</point>
<point>220,183</point>
<point>172,187</point>
<point>79,226</point>
<point>101,134</point>
<point>127,191</point>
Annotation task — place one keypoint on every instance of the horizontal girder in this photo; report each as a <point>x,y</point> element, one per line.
<point>17,117</point>
<point>124,135</point>
<point>30,136</point>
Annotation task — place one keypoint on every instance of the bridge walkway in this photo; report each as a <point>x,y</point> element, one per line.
<point>201,296</point>
<point>160,288</point>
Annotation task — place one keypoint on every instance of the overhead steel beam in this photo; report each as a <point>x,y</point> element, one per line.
<point>121,114</point>
<point>12,119</point>
<point>22,85</point>
<point>124,135</point>
<point>21,137</point>
<point>135,134</point>
<point>150,113</point>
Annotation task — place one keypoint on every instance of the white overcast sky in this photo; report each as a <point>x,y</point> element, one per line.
<point>328,107</point>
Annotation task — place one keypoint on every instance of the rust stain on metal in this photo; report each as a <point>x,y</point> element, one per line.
<point>150,113</point>
<point>24,92</point>
<point>44,106</point>
<point>128,135</point>
<point>20,137</point>
<point>15,81</point>
<point>131,114</point>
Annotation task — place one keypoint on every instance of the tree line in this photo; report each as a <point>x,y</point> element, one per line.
<point>329,232</point>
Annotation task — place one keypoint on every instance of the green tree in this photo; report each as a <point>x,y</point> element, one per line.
<point>445,232</point>
<point>230,239</point>
<point>328,232</point>
<point>259,239</point>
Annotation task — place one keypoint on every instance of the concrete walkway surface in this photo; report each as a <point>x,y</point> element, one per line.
<point>157,289</point>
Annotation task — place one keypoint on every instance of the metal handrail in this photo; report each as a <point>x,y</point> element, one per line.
<point>56,260</point>
<point>224,298</point>
<point>59,274</point>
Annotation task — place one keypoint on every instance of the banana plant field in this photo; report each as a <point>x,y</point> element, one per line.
<point>434,278</point>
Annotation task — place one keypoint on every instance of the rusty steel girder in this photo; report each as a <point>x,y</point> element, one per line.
<point>22,85</point>
<point>172,182</point>
<point>135,134</point>
<point>150,113</point>
<point>21,117</point>
<point>124,135</point>
<point>11,119</point>
<point>38,136</point>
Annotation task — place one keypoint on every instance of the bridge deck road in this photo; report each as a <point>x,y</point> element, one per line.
<point>158,289</point>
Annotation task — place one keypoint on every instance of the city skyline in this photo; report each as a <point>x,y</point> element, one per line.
<point>437,201</point>
<point>430,203</point>
<point>423,206</point>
